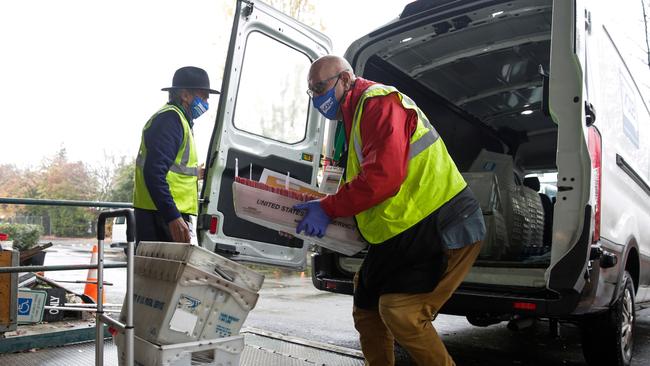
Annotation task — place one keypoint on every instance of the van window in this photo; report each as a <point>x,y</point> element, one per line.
<point>272,101</point>
<point>547,183</point>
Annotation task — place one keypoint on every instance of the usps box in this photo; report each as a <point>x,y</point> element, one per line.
<point>495,244</point>
<point>175,302</point>
<point>501,164</point>
<point>31,306</point>
<point>275,211</point>
<point>217,352</point>
<point>485,187</point>
<point>204,260</point>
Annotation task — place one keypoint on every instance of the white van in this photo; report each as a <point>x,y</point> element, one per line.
<point>538,103</point>
<point>118,231</point>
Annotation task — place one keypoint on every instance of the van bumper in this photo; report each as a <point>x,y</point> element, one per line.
<point>464,301</point>
<point>339,286</point>
<point>540,304</point>
<point>468,299</point>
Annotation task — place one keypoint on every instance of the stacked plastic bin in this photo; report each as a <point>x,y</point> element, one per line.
<point>189,306</point>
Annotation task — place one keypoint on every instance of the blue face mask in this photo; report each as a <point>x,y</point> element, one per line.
<point>198,107</point>
<point>327,104</point>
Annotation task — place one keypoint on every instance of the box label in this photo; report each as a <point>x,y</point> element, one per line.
<point>184,318</point>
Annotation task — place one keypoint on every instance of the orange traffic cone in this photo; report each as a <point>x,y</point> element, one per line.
<point>91,280</point>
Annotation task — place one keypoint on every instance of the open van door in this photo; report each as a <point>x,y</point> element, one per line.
<point>566,97</point>
<point>265,120</point>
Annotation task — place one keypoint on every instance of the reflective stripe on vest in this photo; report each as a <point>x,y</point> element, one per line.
<point>432,177</point>
<point>183,173</point>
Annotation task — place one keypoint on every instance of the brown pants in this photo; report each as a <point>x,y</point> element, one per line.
<point>407,318</point>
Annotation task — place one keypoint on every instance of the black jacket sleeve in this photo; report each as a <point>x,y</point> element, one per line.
<point>163,139</point>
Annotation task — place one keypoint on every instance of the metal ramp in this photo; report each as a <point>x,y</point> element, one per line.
<point>262,349</point>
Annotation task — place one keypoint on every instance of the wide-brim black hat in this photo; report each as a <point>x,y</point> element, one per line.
<point>190,77</point>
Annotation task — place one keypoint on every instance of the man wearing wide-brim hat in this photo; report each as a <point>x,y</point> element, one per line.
<point>166,173</point>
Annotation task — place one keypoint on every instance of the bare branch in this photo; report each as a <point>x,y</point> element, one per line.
<point>645,23</point>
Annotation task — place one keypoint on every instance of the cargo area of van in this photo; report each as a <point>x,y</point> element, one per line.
<point>479,77</point>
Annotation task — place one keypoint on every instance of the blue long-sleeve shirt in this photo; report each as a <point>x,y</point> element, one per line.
<point>163,139</point>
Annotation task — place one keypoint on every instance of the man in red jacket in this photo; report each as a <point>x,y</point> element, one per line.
<point>411,204</point>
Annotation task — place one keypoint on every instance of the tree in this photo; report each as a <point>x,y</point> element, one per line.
<point>15,183</point>
<point>302,10</point>
<point>121,189</point>
<point>9,186</point>
<point>59,179</point>
<point>115,179</point>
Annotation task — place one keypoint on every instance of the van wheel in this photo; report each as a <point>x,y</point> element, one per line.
<point>607,338</point>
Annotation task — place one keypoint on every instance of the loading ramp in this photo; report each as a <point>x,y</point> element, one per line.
<point>262,348</point>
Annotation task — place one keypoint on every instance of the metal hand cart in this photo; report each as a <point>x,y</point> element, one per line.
<point>100,317</point>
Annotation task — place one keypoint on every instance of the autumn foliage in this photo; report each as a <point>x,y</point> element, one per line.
<point>57,178</point>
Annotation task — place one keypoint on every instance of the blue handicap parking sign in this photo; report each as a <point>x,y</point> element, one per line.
<point>24,306</point>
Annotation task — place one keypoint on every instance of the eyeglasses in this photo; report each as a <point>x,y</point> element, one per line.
<point>319,87</point>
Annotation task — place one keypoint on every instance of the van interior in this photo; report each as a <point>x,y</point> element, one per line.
<point>478,74</point>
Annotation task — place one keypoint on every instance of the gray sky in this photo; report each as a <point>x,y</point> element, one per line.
<point>86,75</point>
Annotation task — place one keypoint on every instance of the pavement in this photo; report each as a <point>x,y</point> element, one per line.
<point>291,306</point>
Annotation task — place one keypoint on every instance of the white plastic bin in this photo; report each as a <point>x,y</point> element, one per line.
<point>495,244</point>
<point>175,302</point>
<point>276,211</point>
<point>485,187</point>
<point>217,352</point>
<point>205,260</point>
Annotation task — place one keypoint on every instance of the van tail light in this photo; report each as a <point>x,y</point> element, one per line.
<point>594,144</point>
<point>530,306</point>
<point>214,224</point>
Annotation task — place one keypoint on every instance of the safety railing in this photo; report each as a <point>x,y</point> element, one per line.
<point>100,317</point>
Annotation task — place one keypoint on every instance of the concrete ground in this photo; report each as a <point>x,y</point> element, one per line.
<point>290,305</point>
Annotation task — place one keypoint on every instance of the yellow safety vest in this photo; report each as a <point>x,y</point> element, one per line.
<point>182,176</point>
<point>432,176</point>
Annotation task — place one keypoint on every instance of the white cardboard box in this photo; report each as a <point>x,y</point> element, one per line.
<point>276,211</point>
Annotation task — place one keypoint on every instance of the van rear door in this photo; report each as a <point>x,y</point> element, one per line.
<point>264,121</point>
<point>566,99</point>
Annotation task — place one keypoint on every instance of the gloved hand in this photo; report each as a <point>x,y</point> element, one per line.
<point>315,221</point>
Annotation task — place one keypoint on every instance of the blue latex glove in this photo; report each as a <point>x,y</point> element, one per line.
<point>315,221</point>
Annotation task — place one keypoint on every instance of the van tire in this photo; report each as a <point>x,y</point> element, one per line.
<point>607,338</point>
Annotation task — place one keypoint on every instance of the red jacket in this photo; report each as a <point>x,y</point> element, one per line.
<point>386,129</point>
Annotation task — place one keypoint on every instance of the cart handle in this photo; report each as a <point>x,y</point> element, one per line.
<point>130,223</point>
